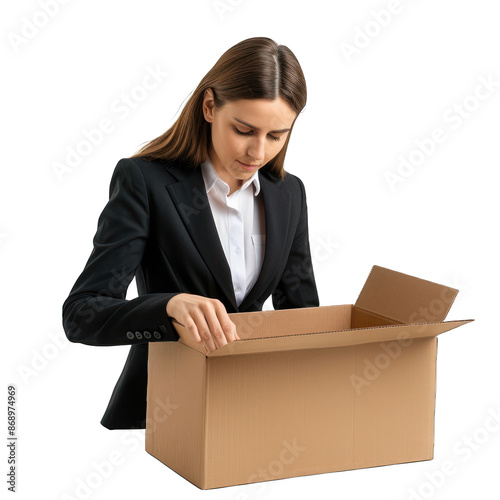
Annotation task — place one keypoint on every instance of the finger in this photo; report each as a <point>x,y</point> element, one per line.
<point>216,330</point>
<point>228,327</point>
<point>193,330</point>
<point>204,330</point>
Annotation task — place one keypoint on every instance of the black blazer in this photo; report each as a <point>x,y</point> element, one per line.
<point>158,226</point>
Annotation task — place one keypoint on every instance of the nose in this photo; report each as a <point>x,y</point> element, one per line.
<point>257,149</point>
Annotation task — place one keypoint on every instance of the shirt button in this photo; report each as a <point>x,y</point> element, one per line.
<point>237,289</point>
<point>236,250</point>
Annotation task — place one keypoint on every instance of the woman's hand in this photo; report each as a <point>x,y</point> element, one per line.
<point>205,319</point>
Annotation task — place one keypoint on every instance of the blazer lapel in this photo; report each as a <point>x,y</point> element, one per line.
<point>277,209</point>
<point>190,197</point>
<point>192,203</point>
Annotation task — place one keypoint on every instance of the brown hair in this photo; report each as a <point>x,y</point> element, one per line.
<point>255,68</point>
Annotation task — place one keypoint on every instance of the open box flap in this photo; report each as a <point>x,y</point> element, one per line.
<point>401,333</point>
<point>276,323</point>
<point>404,298</point>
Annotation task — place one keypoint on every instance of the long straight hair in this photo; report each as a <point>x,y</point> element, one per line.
<point>255,68</point>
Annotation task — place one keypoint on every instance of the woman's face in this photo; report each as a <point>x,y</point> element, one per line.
<point>246,134</point>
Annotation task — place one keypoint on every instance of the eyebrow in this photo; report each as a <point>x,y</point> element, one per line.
<point>251,126</point>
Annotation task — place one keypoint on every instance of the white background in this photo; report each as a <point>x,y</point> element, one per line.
<point>413,73</point>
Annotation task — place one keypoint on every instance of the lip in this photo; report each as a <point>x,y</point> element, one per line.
<point>246,166</point>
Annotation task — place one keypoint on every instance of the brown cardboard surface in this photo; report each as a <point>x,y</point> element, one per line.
<point>341,338</point>
<point>306,399</point>
<point>305,391</point>
<point>362,319</point>
<point>176,404</point>
<point>291,413</point>
<point>264,324</point>
<point>405,298</point>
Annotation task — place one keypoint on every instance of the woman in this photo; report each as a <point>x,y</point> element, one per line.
<point>205,218</point>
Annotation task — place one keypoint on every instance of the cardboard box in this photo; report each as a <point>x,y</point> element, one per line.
<point>305,391</point>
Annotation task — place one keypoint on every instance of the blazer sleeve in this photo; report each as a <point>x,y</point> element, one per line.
<point>96,311</point>
<point>297,286</point>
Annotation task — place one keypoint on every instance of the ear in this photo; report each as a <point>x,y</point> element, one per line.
<point>208,105</point>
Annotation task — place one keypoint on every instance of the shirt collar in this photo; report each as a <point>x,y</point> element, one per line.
<point>211,178</point>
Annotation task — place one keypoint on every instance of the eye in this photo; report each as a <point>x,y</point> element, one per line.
<point>274,138</point>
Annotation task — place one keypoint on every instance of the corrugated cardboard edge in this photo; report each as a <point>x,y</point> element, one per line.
<point>435,401</point>
<point>160,442</point>
<point>334,338</point>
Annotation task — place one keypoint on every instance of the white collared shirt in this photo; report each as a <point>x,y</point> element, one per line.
<point>240,222</point>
